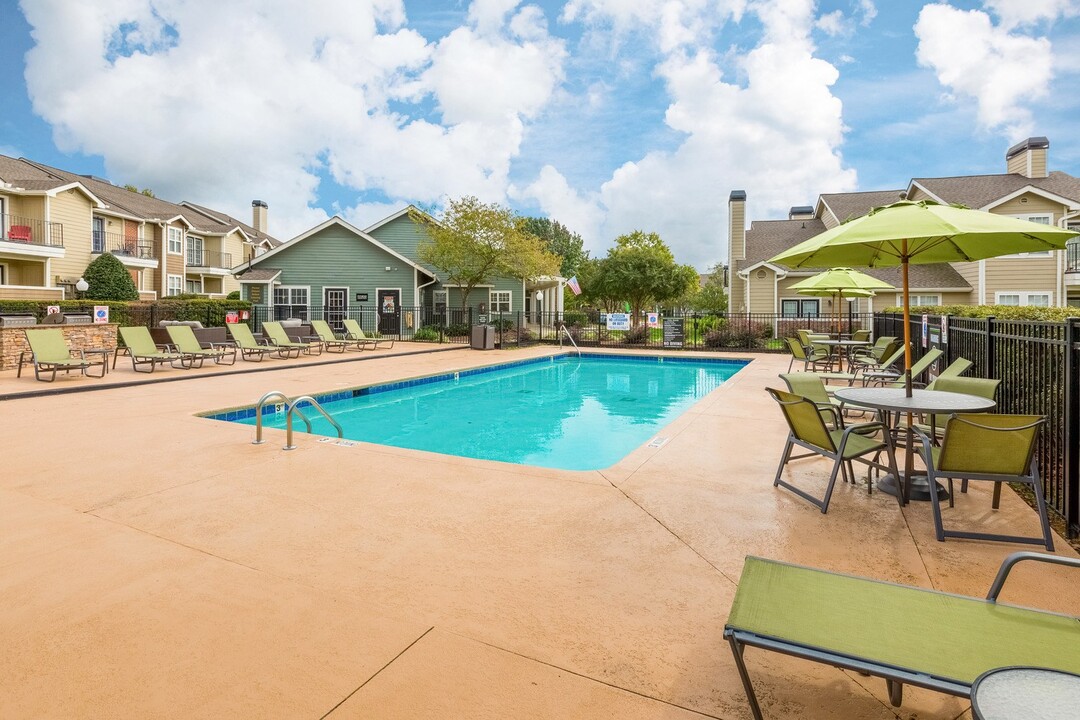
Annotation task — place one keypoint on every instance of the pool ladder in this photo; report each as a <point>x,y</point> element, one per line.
<point>291,406</point>
<point>568,337</point>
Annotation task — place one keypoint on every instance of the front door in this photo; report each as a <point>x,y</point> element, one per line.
<point>389,311</point>
<point>336,306</point>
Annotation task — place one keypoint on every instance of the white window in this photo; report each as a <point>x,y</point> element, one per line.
<point>1032,299</point>
<point>499,301</point>
<point>175,285</point>
<point>176,240</point>
<point>800,307</point>
<point>194,286</point>
<point>917,300</point>
<point>290,302</point>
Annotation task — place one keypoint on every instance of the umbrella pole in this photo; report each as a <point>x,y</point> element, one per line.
<point>907,321</point>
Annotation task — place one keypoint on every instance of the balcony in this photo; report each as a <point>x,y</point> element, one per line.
<point>122,246</point>
<point>208,260</point>
<point>1072,262</point>
<point>30,236</point>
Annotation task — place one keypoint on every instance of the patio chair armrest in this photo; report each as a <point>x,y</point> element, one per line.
<point>861,428</point>
<point>1010,561</point>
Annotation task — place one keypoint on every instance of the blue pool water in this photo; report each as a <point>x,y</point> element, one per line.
<point>566,412</point>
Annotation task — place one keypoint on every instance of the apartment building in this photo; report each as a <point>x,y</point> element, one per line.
<point>1026,190</point>
<point>54,222</point>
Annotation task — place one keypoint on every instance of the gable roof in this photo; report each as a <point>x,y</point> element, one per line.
<point>846,206</point>
<point>337,220</point>
<point>980,191</point>
<point>205,217</point>
<point>22,175</point>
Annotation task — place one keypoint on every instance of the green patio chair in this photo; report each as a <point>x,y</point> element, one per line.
<point>331,341</point>
<point>843,446</point>
<point>911,636</point>
<point>49,352</point>
<point>861,336</point>
<point>353,331</point>
<point>144,352</point>
<point>995,448</point>
<point>812,386</point>
<point>810,360</point>
<point>979,387</point>
<point>280,339</point>
<point>249,347</point>
<point>184,340</point>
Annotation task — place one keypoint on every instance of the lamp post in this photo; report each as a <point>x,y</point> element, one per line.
<point>539,315</point>
<point>81,287</point>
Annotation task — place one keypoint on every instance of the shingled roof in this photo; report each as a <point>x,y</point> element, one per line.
<point>203,216</point>
<point>978,191</point>
<point>767,238</point>
<point>847,206</point>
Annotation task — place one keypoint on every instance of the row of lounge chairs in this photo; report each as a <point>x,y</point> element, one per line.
<point>49,352</point>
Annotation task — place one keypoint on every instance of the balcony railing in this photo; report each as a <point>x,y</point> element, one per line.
<point>1072,256</point>
<point>208,259</point>
<point>123,246</point>
<point>31,231</point>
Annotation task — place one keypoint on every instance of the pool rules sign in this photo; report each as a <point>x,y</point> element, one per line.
<point>673,332</point>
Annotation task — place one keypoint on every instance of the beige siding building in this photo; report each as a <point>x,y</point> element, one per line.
<point>1027,191</point>
<point>53,223</point>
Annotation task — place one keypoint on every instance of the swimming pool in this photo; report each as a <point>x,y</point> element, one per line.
<point>564,412</point>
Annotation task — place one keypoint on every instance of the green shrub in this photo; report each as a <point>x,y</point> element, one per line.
<point>457,329</point>
<point>575,319</point>
<point>109,279</point>
<point>504,324</point>
<point>1002,312</point>
<point>426,334</point>
<point>636,335</point>
<point>234,295</point>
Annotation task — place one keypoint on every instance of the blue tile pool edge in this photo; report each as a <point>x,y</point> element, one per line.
<point>245,412</point>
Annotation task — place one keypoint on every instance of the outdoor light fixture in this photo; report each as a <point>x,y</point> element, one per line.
<point>539,294</point>
<point>82,285</point>
<point>388,268</point>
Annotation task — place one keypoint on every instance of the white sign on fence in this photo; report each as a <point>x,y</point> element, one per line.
<point>618,321</point>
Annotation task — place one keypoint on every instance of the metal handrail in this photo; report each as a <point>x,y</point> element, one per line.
<point>568,337</point>
<point>288,420</point>
<point>259,415</point>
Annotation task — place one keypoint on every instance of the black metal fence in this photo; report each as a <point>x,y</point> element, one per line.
<point>1039,367</point>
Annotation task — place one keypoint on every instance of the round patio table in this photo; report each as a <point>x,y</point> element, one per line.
<point>844,347</point>
<point>1025,693</point>
<point>894,400</point>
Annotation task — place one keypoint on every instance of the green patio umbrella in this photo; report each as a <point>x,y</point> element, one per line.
<point>840,281</point>
<point>922,232</point>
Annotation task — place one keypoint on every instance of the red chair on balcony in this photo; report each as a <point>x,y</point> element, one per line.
<point>19,233</point>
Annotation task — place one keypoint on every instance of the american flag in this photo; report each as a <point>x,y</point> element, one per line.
<point>572,283</point>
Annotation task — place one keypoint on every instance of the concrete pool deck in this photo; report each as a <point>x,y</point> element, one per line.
<point>157,564</point>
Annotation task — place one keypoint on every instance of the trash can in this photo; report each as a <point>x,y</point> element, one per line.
<point>483,337</point>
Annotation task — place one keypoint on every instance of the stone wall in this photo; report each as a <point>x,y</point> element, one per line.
<point>78,337</point>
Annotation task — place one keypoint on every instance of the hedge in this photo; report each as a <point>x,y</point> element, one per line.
<point>211,313</point>
<point>1001,312</point>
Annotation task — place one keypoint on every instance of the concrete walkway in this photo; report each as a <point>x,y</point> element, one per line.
<point>157,564</point>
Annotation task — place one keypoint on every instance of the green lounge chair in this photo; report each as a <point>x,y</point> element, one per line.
<point>995,448</point>
<point>49,352</point>
<point>144,352</point>
<point>353,331</point>
<point>876,352</point>
<point>888,363</point>
<point>185,342</point>
<point>250,349</point>
<point>956,368</point>
<point>918,369</point>
<point>912,636</point>
<point>842,446</point>
<point>280,339</point>
<point>325,334</point>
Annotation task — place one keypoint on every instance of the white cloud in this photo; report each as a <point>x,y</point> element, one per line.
<point>1014,13</point>
<point>833,23</point>
<point>776,135</point>
<point>1002,71</point>
<point>223,102</point>
<point>554,194</point>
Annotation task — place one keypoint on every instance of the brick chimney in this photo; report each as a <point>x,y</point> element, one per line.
<point>258,215</point>
<point>1028,158</point>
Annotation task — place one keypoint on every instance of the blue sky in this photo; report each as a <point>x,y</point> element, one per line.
<point>608,115</point>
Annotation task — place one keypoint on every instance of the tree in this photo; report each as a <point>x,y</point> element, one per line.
<point>474,242</point>
<point>558,239</point>
<point>711,296</point>
<point>145,191</point>
<point>109,279</point>
<point>641,270</point>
